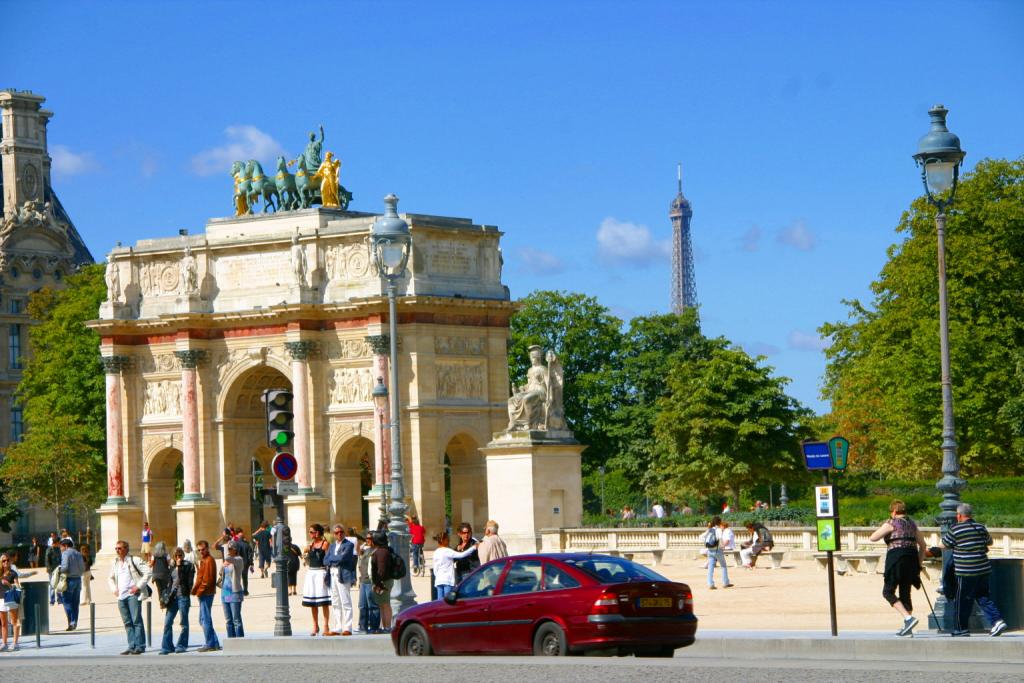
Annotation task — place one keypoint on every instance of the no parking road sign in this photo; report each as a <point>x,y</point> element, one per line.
<point>284,466</point>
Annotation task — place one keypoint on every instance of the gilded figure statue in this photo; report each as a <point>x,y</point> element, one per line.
<point>328,173</point>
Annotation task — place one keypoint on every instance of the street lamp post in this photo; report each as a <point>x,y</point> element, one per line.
<point>391,245</point>
<point>380,400</point>
<point>939,156</point>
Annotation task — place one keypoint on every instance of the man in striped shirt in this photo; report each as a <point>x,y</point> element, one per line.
<point>969,542</point>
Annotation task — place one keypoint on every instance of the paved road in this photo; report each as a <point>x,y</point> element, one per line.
<point>475,669</point>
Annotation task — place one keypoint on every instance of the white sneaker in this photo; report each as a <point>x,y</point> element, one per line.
<point>998,628</point>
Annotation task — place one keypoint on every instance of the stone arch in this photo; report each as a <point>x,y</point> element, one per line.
<point>162,483</point>
<point>352,475</point>
<point>243,423</point>
<point>232,373</point>
<point>465,480</point>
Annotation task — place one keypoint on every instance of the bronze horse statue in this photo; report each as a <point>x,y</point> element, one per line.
<point>261,186</point>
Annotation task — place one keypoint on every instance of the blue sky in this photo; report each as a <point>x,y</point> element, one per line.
<point>561,123</point>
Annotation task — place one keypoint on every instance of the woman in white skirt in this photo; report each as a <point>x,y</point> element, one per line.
<point>87,575</point>
<point>314,591</point>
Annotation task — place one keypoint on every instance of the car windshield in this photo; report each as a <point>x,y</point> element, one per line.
<point>614,569</point>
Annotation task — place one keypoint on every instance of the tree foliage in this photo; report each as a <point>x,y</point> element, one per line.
<point>587,339</point>
<point>725,424</point>
<point>62,392</point>
<point>883,373</point>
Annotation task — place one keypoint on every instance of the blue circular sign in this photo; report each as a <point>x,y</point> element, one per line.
<point>284,466</point>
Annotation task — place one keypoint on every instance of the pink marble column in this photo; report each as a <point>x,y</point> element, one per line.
<point>190,421</point>
<point>381,418</point>
<point>112,366</point>
<point>300,352</point>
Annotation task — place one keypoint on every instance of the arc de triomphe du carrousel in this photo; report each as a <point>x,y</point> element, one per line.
<point>196,327</point>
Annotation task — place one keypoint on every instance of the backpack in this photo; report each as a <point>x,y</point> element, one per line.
<point>711,539</point>
<point>396,565</point>
<point>766,536</point>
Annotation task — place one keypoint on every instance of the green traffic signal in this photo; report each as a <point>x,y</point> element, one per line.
<point>281,438</point>
<point>279,417</point>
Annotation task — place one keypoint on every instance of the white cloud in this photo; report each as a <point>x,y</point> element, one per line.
<point>804,341</point>
<point>751,239</point>
<point>798,236</point>
<point>66,162</point>
<point>540,262</point>
<point>244,142</point>
<point>629,244</point>
<point>758,348</point>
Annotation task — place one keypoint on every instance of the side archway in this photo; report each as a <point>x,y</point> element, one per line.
<point>352,477</point>
<point>163,485</point>
<point>465,482</point>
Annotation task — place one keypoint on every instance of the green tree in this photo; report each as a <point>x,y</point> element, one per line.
<point>54,466</point>
<point>651,347</point>
<point>587,339</point>
<point>883,373</point>
<point>62,384</point>
<point>726,425</point>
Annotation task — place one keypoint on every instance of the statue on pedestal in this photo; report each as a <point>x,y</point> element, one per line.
<point>113,278</point>
<point>189,273</point>
<point>537,405</point>
<point>299,263</point>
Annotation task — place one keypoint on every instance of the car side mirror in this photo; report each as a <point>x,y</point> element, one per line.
<point>450,598</point>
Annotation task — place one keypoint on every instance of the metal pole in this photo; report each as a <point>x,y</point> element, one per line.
<point>92,624</point>
<point>39,629</point>
<point>950,484</point>
<point>402,595</point>
<point>282,617</point>
<point>149,623</point>
<point>832,573</point>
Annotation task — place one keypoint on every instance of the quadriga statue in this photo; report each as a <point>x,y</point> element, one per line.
<point>537,405</point>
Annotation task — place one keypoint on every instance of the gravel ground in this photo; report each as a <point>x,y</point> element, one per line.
<point>473,670</point>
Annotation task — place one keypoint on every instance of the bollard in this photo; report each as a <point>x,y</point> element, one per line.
<point>149,623</point>
<point>39,639</point>
<point>92,624</point>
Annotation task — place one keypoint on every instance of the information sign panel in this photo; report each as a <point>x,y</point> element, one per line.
<point>828,535</point>
<point>824,501</point>
<point>839,449</point>
<point>816,455</point>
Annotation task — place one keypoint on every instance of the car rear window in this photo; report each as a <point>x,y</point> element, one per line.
<point>614,569</point>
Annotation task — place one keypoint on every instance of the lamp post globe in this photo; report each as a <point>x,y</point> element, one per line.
<point>939,155</point>
<point>392,242</point>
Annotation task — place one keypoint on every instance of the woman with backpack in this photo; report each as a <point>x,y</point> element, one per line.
<point>713,542</point>
<point>381,578</point>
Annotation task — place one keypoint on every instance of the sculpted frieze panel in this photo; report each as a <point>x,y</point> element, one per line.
<point>460,380</point>
<point>350,386</point>
<point>459,346</point>
<point>159,363</point>
<point>162,398</point>
<point>349,261</point>
<point>348,349</point>
<point>160,278</point>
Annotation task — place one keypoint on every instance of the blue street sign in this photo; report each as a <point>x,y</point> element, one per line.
<point>817,455</point>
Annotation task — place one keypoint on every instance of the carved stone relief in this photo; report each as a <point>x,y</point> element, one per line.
<point>351,386</point>
<point>348,349</point>
<point>162,398</point>
<point>160,278</point>
<point>162,362</point>
<point>459,346</point>
<point>350,261</point>
<point>460,380</point>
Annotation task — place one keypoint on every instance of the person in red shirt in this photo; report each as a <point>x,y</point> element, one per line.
<point>419,534</point>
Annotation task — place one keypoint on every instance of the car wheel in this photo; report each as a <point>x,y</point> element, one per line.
<point>414,642</point>
<point>549,641</point>
<point>663,651</point>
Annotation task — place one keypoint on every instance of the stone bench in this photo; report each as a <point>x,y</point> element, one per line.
<point>776,556</point>
<point>850,562</point>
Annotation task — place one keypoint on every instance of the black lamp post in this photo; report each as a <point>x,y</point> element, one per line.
<point>939,156</point>
<point>380,401</point>
<point>282,543</point>
<point>391,243</point>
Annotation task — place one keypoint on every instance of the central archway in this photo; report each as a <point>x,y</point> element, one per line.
<point>466,482</point>
<point>351,479</point>
<point>246,458</point>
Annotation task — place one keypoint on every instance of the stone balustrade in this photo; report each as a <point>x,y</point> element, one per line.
<point>682,542</point>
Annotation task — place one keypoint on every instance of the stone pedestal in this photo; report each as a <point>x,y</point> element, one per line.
<point>115,310</point>
<point>533,482</point>
<point>119,522</point>
<point>197,520</point>
<point>190,303</point>
<point>372,499</point>
<point>305,509</point>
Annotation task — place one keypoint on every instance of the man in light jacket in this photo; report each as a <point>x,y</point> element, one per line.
<point>128,581</point>
<point>341,563</point>
<point>72,565</point>
<point>491,547</point>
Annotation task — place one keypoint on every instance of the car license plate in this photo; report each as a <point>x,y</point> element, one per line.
<point>655,602</point>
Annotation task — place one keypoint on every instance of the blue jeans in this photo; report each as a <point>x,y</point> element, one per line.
<point>233,617</point>
<point>206,620</point>
<point>178,606</point>
<point>73,596</point>
<point>131,616</point>
<point>717,555</point>
<point>443,590</point>
<point>369,612</point>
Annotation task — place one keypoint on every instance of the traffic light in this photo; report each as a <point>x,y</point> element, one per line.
<point>279,417</point>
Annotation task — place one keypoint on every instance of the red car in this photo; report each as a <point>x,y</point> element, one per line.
<point>559,604</point>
